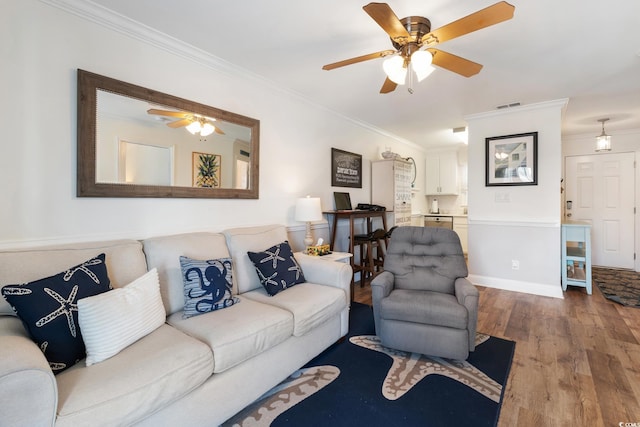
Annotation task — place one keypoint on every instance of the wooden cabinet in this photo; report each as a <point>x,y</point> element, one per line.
<point>576,255</point>
<point>441,173</point>
<point>391,188</point>
<point>461,227</point>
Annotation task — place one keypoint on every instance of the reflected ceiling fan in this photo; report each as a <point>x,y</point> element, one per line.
<point>194,123</point>
<point>413,41</point>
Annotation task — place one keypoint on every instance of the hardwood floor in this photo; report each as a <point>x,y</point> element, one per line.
<point>577,359</point>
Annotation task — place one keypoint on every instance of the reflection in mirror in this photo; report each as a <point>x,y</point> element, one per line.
<point>135,142</point>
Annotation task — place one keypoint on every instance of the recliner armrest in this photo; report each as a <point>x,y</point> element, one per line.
<point>468,295</point>
<point>381,287</point>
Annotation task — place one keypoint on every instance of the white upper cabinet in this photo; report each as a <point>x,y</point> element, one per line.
<point>442,173</point>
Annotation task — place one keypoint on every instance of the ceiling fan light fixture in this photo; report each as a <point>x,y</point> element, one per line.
<point>194,127</point>
<point>207,129</point>
<point>395,69</point>
<point>421,64</point>
<point>603,141</point>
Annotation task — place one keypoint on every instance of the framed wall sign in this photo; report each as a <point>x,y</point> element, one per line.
<point>512,159</point>
<point>346,169</point>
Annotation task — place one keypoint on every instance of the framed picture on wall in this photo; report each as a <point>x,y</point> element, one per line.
<point>205,168</point>
<point>512,159</point>
<point>346,169</point>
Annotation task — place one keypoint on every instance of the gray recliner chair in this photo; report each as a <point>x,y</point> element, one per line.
<point>422,302</point>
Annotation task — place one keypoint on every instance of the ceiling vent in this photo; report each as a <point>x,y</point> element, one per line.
<point>513,104</point>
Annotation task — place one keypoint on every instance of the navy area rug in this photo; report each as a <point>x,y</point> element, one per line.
<point>359,382</point>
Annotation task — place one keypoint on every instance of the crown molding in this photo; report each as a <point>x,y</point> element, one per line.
<point>557,103</point>
<point>119,23</point>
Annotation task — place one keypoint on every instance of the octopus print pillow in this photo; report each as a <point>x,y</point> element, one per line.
<point>48,309</point>
<point>207,285</point>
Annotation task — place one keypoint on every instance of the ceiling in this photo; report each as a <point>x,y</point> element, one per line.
<point>588,52</point>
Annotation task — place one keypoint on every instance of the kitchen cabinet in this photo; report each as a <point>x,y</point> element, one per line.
<point>461,227</point>
<point>391,188</point>
<point>441,173</point>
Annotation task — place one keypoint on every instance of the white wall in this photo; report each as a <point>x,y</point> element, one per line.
<point>43,46</point>
<point>527,227</point>
<point>622,141</point>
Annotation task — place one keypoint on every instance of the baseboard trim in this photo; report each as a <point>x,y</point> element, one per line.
<point>542,289</point>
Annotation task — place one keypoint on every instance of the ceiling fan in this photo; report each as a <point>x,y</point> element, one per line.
<point>194,123</point>
<point>413,41</point>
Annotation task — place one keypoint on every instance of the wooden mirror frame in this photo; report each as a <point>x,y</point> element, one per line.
<point>88,85</point>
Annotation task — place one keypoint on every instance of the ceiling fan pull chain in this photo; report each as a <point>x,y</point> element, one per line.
<point>410,72</point>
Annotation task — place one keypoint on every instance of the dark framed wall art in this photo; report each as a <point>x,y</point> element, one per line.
<point>512,160</point>
<point>346,169</point>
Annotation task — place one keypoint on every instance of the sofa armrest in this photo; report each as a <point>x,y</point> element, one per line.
<point>24,375</point>
<point>329,273</point>
<point>381,287</point>
<point>468,295</point>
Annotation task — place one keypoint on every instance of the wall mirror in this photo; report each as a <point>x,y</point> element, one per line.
<point>137,142</point>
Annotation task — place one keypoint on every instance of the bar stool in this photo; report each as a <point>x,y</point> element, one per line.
<point>370,265</point>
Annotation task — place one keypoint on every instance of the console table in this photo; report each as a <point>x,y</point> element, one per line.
<point>351,215</point>
<point>576,255</point>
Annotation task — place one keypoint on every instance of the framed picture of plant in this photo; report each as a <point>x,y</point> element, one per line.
<point>206,170</point>
<point>512,159</point>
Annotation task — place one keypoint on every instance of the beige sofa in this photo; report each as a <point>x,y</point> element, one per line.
<point>195,371</point>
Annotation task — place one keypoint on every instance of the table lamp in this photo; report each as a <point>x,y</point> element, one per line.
<point>307,210</point>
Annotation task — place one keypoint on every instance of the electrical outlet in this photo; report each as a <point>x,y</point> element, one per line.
<point>515,264</point>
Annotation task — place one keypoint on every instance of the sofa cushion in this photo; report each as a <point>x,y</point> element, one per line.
<point>255,239</point>
<point>208,285</point>
<point>424,307</point>
<point>164,254</point>
<point>277,268</point>
<point>310,304</point>
<point>237,333</point>
<point>143,378</point>
<point>48,309</point>
<point>111,321</point>
<point>124,258</point>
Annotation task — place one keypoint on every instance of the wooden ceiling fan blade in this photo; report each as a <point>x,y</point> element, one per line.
<point>388,86</point>
<point>388,21</point>
<point>358,59</point>
<point>218,130</point>
<point>180,114</point>
<point>179,123</point>
<point>454,63</point>
<point>499,12</point>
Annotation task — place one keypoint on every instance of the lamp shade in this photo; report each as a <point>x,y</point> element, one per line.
<point>421,64</point>
<point>394,69</point>
<point>194,127</point>
<point>308,209</point>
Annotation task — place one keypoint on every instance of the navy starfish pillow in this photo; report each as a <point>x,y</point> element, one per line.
<point>49,311</point>
<point>277,268</point>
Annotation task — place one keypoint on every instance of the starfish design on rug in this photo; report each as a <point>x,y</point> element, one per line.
<point>293,390</point>
<point>66,307</point>
<point>83,267</point>
<point>408,369</point>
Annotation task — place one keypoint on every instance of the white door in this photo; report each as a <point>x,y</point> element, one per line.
<point>600,189</point>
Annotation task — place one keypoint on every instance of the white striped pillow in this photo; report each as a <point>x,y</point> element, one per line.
<point>113,320</point>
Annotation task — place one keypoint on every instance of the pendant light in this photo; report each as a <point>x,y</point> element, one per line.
<point>603,141</point>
